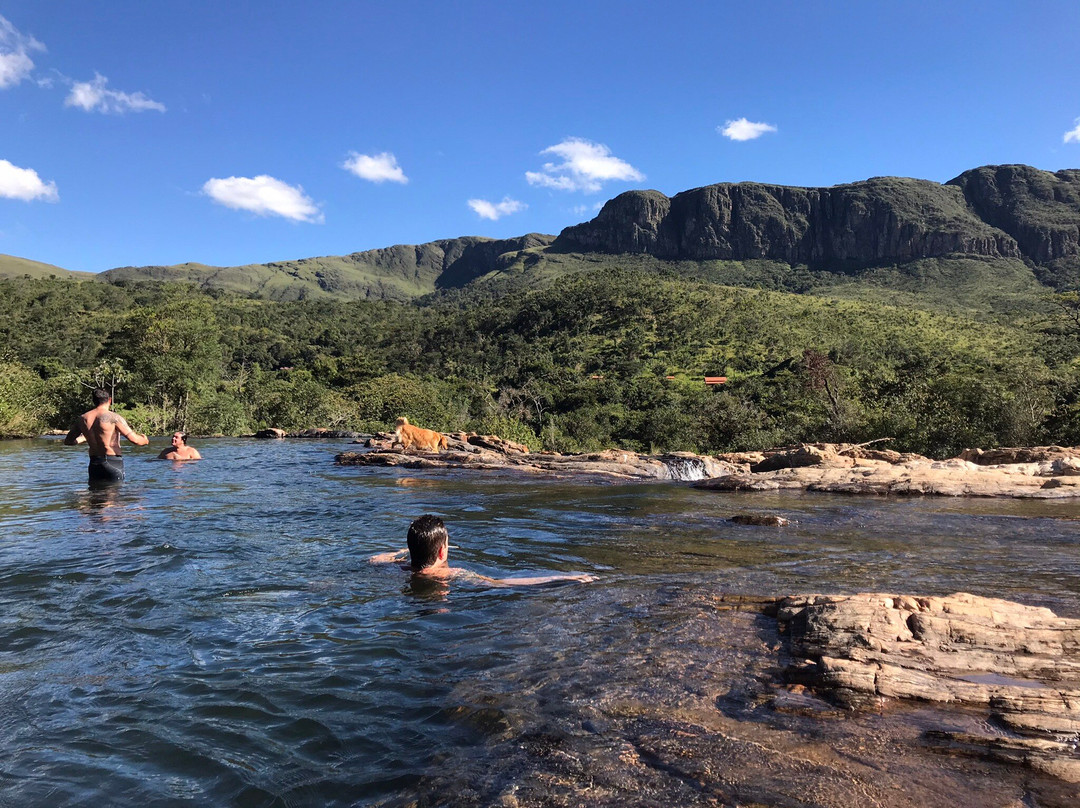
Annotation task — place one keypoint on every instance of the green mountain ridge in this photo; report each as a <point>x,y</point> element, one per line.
<point>14,267</point>
<point>990,238</point>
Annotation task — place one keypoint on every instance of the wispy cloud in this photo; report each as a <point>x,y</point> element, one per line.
<point>381,167</point>
<point>25,184</point>
<point>94,96</point>
<point>263,196</point>
<point>743,129</point>
<point>15,48</point>
<point>585,210</point>
<point>1074,135</point>
<point>496,210</point>
<point>585,166</point>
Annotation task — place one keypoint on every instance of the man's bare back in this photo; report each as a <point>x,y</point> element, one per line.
<point>101,429</point>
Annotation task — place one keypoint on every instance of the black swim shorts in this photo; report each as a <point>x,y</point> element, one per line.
<point>109,469</point>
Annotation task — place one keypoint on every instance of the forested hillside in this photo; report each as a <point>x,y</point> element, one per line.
<point>614,357</point>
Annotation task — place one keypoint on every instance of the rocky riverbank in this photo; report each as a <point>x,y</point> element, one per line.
<point>491,453</point>
<point>1042,472</point>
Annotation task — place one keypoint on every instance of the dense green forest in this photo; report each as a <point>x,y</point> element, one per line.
<point>581,364</point>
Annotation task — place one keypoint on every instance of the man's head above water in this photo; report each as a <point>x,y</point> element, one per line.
<point>428,542</point>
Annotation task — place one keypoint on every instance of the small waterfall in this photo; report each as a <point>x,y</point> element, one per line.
<point>684,468</point>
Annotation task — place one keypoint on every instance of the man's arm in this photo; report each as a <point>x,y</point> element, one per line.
<point>164,454</point>
<point>389,558</point>
<point>74,436</point>
<point>194,454</point>
<point>580,577</point>
<point>129,433</point>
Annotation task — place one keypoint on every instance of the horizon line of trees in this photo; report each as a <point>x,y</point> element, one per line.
<point>578,366</point>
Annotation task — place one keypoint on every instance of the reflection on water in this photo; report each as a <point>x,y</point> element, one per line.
<point>213,634</point>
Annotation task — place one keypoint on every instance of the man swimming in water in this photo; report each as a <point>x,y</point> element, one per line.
<point>429,545</point>
<point>102,428</point>
<point>179,449</point>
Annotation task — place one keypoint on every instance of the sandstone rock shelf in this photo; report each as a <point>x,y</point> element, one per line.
<point>1046,472</point>
<point>491,453</point>
<point>1020,663</point>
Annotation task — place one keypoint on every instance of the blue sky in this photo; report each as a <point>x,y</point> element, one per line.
<point>136,132</point>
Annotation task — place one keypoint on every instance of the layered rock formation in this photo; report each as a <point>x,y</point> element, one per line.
<point>995,211</point>
<point>491,453</point>
<point>881,219</point>
<point>1037,472</point>
<point>1040,210</point>
<point>1022,663</point>
<point>1048,472</point>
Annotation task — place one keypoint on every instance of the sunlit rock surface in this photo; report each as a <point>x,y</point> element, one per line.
<point>1034,472</point>
<point>489,452</point>
<point>1021,662</point>
<point>700,706</point>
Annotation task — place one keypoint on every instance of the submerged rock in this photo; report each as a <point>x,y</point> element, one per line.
<point>760,519</point>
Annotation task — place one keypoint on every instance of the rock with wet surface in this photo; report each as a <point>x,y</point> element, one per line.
<point>760,519</point>
<point>1020,662</point>
<point>691,712</point>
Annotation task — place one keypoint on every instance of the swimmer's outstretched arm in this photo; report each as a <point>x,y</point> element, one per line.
<point>389,558</point>
<point>580,577</point>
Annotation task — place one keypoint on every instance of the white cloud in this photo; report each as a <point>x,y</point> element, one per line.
<point>15,61</point>
<point>375,167</point>
<point>743,129</point>
<point>496,210</point>
<point>1074,135</point>
<point>94,96</point>
<point>586,167</point>
<point>264,196</point>
<point>25,184</point>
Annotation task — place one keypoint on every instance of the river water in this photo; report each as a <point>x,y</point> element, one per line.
<point>211,633</point>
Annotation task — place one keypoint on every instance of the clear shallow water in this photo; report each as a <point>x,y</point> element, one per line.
<point>212,634</point>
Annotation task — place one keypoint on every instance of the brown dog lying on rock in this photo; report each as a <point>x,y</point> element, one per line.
<point>424,439</point>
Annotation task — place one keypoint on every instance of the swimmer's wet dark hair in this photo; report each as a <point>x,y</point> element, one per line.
<point>99,396</point>
<point>426,535</point>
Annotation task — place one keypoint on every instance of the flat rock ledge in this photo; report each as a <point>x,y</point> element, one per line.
<point>1021,663</point>
<point>488,452</point>
<point>1045,472</point>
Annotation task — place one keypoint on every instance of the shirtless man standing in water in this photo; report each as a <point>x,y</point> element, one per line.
<point>102,430</point>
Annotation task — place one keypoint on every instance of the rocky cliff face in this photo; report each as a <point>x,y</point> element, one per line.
<point>997,212</point>
<point>1039,209</point>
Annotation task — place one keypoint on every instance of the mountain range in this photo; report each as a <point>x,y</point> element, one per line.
<point>1016,225</point>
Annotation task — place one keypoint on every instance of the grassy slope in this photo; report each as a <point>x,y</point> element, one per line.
<point>969,287</point>
<point>310,278</point>
<point>14,267</point>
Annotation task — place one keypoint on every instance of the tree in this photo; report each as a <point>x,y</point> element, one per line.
<point>172,351</point>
